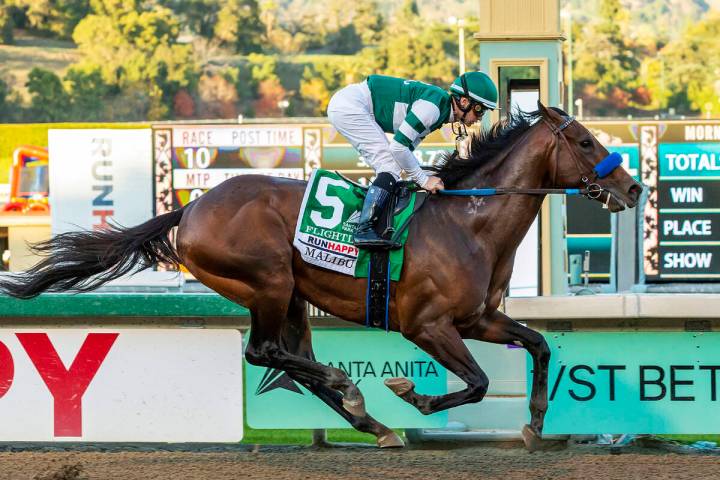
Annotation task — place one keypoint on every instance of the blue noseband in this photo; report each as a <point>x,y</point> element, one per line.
<point>608,164</point>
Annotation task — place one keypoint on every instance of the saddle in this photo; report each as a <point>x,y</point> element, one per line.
<point>400,197</point>
<point>324,231</point>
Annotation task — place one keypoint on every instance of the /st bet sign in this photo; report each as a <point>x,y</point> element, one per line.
<point>121,385</point>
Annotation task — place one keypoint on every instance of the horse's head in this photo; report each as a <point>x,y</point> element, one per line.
<point>577,160</point>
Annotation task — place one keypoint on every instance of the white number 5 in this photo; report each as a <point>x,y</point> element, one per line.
<point>328,201</point>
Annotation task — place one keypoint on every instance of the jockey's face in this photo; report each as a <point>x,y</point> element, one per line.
<point>474,115</point>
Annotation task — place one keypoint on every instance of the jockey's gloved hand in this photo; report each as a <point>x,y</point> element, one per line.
<point>433,184</point>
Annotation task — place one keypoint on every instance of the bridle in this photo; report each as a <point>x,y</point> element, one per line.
<point>592,190</point>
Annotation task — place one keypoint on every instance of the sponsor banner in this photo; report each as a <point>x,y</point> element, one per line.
<point>689,160</point>
<point>689,194</point>
<point>121,385</point>
<point>689,260</point>
<point>274,400</point>
<point>237,136</point>
<point>328,218</point>
<point>689,226</point>
<point>209,178</point>
<point>617,382</point>
<point>98,177</point>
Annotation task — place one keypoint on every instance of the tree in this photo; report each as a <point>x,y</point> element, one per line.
<point>137,49</point>
<point>239,26</point>
<point>57,17</point>
<point>292,27</point>
<point>88,94</point>
<point>10,108</point>
<point>319,82</point>
<point>6,25</point>
<point>412,48</point>
<point>218,96</point>
<point>50,102</point>
<point>606,63</point>
<point>685,74</point>
<point>183,104</point>
<point>369,22</point>
<point>200,16</point>
<point>270,93</point>
<point>345,40</point>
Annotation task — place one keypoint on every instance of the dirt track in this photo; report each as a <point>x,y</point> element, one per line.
<point>437,463</point>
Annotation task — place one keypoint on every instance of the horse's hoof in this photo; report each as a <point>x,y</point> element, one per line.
<point>535,443</point>
<point>390,440</point>
<point>355,406</point>
<point>532,440</point>
<point>399,385</point>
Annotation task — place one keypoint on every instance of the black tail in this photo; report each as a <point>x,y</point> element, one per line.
<point>83,261</point>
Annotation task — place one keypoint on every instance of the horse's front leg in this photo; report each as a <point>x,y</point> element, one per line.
<point>442,341</point>
<point>497,327</point>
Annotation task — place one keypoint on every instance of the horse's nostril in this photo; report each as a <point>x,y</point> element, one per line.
<point>635,191</point>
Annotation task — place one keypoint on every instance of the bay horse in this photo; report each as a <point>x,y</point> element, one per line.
<point>238,240</point>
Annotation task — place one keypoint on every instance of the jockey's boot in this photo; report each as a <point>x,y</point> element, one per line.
<point>377,198</point>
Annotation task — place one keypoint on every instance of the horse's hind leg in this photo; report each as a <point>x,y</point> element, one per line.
<point>499,328</point>
<point>268,318</point>
<point>297,340</point>
<point>445,345</point>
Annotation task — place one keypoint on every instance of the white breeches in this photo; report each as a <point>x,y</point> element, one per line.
<point>350,112</point>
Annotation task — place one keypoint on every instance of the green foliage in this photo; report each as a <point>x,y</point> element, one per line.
<point>605,63</point>
<point>319,82</point>
<point>332,26</point>
<point>290,29</point>
<point>239,26</point>
<point>690,67</point>
<point>50,102</point>
<point>9,104</point>
<point>369,22</point>
<point>262,67</point>
<point>88,94</point>
<point>345,40</point>
<point>200,16</point>
<point>414,49</point>
<point>6,25</point>
<point>55,17</point>
<point>252,436</point>
<point>629,55</point>
<point>137,51</point>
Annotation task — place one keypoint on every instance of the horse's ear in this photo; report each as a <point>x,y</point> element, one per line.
<point>542,109</point>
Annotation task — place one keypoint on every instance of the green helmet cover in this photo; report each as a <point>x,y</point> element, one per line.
<point>479,87</point>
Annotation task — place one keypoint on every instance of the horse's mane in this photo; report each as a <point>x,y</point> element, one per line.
<point>486,144</point>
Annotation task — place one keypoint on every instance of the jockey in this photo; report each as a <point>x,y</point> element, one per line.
<point>410,110</point>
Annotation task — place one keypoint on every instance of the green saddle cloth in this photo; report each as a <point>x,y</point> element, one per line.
<point>328,217</point>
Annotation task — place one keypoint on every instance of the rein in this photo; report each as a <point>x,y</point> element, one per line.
<point>488,192</point>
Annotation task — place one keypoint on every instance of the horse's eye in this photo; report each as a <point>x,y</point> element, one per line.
<point>586,144</point>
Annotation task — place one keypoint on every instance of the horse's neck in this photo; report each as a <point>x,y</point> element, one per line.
<point>524,165</point>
